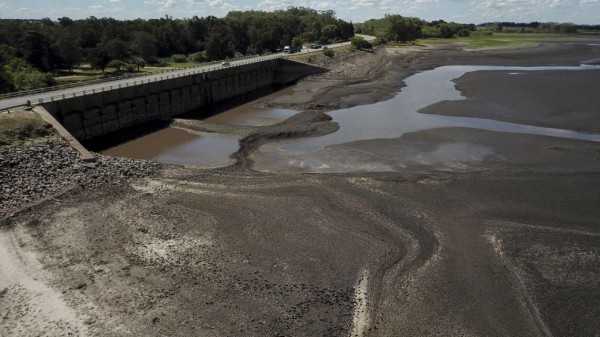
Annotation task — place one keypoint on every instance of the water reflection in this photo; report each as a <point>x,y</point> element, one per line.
<point>395,117</point>
<point>205,149</point>
<point>176,146</point>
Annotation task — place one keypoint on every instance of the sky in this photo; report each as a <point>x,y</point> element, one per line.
<point>463,11</point>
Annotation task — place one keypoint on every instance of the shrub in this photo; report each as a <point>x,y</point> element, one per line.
<point>179,58</point>
<point>328,52</point>
<point>117,64</point>
<point>198,57</point>
<point>360,43</point>
<point>463,33</point>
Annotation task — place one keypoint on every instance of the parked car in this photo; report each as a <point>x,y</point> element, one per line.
<point>225,64</point>
<point>315,46</point>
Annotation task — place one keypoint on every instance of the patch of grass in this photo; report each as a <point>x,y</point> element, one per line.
<point>76,78</point>
<point>514,40</point>
<point>22,126</point>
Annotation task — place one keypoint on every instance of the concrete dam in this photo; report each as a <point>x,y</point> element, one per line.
<point>103,112</point>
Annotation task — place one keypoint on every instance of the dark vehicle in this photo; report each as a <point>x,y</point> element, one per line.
<point>291,50</point>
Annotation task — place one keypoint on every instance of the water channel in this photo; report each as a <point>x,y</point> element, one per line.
<point>383,120</point>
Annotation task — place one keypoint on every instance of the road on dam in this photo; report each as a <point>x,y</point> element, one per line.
<point>64,93</point>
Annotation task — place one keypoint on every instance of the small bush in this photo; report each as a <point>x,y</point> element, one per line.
<point>329,53</point>
<point>360,43</point>
<point>463,33</point>
<point>379,41</point>
<point>117,64</point>
<point>198,57</point>
<point>179,58</point>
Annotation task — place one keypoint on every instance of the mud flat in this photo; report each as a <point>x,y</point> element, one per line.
<point>503,242</point>
<point>559,99</point>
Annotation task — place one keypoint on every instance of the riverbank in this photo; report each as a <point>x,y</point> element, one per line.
<point>506,245</point>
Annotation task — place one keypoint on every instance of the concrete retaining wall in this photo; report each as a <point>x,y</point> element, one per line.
<point>96,114</point>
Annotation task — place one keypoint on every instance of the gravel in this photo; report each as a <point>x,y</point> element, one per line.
<point>31,172</point>
<point>350,66</point>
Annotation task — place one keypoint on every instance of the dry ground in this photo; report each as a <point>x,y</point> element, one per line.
<point>506,246</point>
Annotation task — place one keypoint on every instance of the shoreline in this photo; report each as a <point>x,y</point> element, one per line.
<point>235,252</point>
<point>406,61</point>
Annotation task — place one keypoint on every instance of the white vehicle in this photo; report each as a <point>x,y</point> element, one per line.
<point>225,64</point>
<point>287,49</point>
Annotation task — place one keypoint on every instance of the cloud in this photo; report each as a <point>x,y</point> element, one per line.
<point>167,5</point>
<point>113,1</point>
<point>209,6</point>
<point>271,5</point>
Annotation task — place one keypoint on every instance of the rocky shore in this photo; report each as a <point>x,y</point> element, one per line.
<point>33,172</point>
<point>350,65</point>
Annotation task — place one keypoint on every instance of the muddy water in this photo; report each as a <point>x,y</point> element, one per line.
<point>349,149</point>
<point>175,146</point>
<point>341,151</point>
<point>250,114</point>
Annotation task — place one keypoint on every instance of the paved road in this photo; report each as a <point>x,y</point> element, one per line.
<point>110,85</point>
<point>62,93</point>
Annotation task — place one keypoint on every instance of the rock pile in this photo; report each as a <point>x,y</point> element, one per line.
<point>31,172</point>
<point>346,65</point>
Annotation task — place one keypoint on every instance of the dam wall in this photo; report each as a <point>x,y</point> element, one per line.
<point>102,112</point>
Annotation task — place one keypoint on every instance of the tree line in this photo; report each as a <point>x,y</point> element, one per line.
<point>538,27</point>
<point>30,50</point>
<point>395,27</point>
<point>404,29</point>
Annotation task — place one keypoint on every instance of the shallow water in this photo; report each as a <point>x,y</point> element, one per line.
<point>341,151</point>
<point>395,117</point>
<point>176,146</point>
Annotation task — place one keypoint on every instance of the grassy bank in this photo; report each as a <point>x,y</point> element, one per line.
<point>21,126</point>
<point>501,40</point>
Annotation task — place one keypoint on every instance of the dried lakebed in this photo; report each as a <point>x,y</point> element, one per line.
<point>506,245</point>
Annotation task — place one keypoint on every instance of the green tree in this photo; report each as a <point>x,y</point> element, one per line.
<point>329,32</point>
<point>297,42</point>
<point>144,44</point>
<point>360,43</point>
<point>138,62</point>
<point>118,65</point>
<point>403,29</point>
<point>116,49</point>
<point>463,33</point>
<point>36,50</point>
<point>445,31</point>
<point>69,55</point>
<point>99,58</point>
<point>22,76</point>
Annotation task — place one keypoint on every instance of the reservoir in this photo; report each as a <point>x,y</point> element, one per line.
<point>391,119</point>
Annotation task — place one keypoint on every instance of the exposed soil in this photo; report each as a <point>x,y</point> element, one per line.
<point>504,246</point>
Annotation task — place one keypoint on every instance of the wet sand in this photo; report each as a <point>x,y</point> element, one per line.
<point>504,244</point>
<point>558,99</point>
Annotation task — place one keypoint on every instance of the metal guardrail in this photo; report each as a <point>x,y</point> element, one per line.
<point>108,79</point>
<point>176,73</point>
<point>67,86</point>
